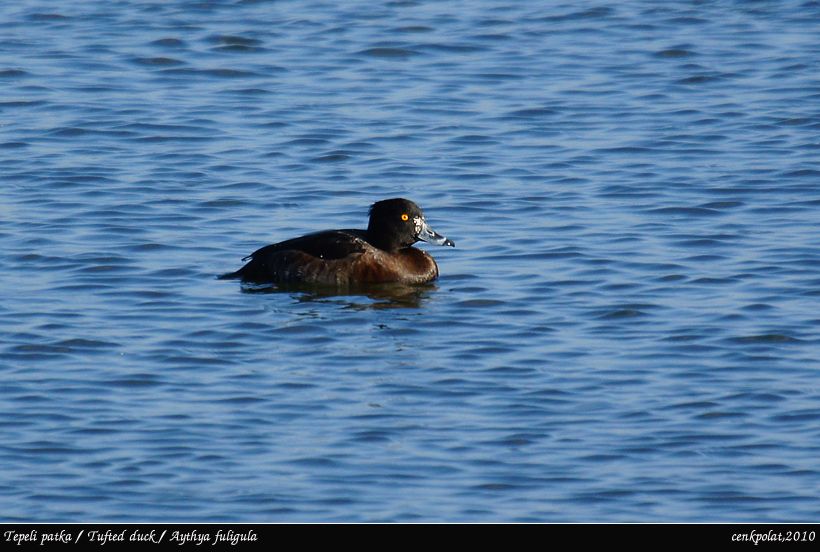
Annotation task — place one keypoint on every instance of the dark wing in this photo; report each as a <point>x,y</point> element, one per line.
<point>300,258</point>
<point>329,245</point>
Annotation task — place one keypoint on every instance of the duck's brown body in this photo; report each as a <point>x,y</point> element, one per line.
<point>337,258</point>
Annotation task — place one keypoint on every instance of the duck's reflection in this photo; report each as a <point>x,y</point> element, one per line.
<point>381,296</point>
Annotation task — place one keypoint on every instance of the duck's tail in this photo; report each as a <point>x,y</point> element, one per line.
<point>231,275</point>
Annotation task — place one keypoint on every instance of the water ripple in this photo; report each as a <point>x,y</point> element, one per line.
<point>631,304</point>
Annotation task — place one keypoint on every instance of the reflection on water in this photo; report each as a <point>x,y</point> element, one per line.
<point>381,296</point>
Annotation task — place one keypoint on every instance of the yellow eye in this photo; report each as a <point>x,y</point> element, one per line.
<point>405,217</point>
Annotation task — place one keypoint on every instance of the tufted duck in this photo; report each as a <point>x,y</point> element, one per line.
<point>383,253</point>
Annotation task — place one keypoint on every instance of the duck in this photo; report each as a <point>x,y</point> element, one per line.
<point>382,254</point>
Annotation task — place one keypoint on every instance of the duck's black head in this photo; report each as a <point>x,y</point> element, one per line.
<point>398,223</point>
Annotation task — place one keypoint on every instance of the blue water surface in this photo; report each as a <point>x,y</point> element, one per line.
<point>626,331</point>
